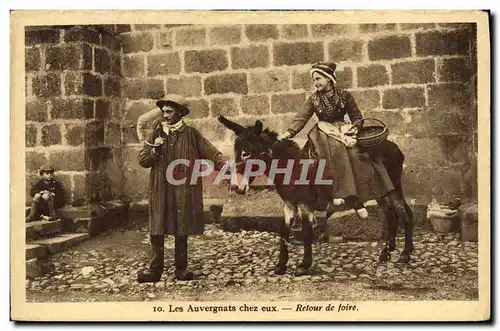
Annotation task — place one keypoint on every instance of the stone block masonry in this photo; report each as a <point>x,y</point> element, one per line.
<point>417,78</point>
<point>75,78</point>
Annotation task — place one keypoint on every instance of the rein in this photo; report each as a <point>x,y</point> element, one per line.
<point>270,151</point>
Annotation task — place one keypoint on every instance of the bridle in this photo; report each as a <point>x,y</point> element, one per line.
<point>270,150</point>
<point>268,154</point>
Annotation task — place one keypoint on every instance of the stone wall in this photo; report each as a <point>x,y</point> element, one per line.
<point>417,78</point>
<point>73,105</point>
<point>414,77</point>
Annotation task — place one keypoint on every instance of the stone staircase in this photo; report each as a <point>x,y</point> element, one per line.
<point>75,225</point>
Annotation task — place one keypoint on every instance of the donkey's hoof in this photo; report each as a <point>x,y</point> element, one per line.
<point>301,271</point>
<point>404,258</point>
<point>391,244</point>
<point>280,270</point>
<point>384,256</point>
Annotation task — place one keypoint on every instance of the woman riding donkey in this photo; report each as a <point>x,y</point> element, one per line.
<point>356,176</point>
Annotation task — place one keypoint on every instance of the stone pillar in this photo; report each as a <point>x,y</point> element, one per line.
<point>73,98</point>
<point>470,179</point>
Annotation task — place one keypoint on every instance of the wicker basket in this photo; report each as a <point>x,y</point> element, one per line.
<point>442,224</point>
<point>442,217</point>
<point>373,135</point>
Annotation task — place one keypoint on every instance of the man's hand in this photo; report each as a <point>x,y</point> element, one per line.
<point>225,183</point>
<point>220,161</point>
<point>159,141</point>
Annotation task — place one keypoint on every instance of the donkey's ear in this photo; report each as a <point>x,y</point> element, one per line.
<point>235,127</point>
<point>258,126</point>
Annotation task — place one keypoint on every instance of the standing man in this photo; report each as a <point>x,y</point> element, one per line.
<point>174,209</point>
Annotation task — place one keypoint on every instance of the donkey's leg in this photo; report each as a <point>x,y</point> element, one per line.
<point>289,212</point>
<point>308,220</point>
<point>280,268</point>
<point>408,231</point>
<point>403,212</point>
<point>392,228</point>
<point>393,224</point>
<point>330,210</point>
<point>384,253</point>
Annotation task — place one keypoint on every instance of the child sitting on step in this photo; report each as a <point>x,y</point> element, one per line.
<point>47,194</point>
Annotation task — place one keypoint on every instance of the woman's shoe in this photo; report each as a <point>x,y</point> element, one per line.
<point>355,203</point>
<point>338,201</point>
<point>362,213</point>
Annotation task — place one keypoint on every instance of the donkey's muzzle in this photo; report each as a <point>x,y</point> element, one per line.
<point>237,189</point>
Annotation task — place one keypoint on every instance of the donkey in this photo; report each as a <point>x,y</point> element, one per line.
<point>252,142</point>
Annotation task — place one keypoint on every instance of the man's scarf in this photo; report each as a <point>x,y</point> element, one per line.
<point>167,128</point>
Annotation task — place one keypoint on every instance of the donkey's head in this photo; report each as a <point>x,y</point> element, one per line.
<point>252,144</point>
<point>251,141</point>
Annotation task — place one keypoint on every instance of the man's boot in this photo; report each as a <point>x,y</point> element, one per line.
<point>181,259</point>
<point>34,212</point>
<point>155,271</point>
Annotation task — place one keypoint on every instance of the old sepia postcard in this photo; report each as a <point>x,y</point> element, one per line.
<point>250,166</point>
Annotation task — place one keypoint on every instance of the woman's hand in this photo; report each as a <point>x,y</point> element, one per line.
<point>284,135</point>
<point>349,130</point>
<point>353,131</point>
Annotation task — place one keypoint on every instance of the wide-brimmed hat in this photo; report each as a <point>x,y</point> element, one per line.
<point>327,69</point>
<point>46,168</point>
<point>175,101</point>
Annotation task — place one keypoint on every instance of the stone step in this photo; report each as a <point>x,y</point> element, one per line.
<point>468,214</point>
<point>79,225</point>
<point>212,210</point>
<point>34,251</point>
<point>103,209</point>
<point>39,229</point>
<point>71,212</point>
<point>94,218</point>
<point>61,242</point>
<point>349,226</point>
<point>33,268</point>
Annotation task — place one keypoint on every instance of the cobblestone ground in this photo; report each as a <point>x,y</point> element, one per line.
<point>239,266</point>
